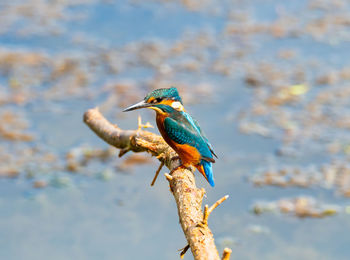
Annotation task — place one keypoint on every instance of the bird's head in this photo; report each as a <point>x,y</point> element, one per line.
<point>162,100</point>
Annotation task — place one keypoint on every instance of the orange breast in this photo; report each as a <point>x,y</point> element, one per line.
<point>189,155</point>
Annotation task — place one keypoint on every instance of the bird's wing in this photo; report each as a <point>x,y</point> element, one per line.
<point>181,134</point>
<point>196,126</point>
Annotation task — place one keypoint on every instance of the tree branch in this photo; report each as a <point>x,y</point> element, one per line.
<point>187,196</point>
<point>208,211</point>
<point>227,253</point>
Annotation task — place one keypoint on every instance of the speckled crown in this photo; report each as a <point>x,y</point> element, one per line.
<point>169,93</point>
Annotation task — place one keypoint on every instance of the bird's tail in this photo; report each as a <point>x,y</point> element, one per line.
<point>205,168</point>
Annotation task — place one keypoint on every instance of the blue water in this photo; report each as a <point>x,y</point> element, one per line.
<point>125,218</point>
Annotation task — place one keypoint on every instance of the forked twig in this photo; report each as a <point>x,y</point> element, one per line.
<point>140,125</point>
<point>208,211</point>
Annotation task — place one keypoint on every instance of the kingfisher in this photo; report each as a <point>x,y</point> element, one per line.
<point>180,130</point>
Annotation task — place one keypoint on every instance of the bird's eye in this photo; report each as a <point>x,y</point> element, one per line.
<point>158,100</point>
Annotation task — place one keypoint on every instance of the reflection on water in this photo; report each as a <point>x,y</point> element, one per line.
<point>266,80</point>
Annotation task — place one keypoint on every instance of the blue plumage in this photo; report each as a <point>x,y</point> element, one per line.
<point>196,126</point>
<point>180,130</point>
<point>208,169</point>
<point>184,135</point>
<point>177,133</point>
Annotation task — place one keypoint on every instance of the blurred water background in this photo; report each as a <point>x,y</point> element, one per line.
<point>267,80</point>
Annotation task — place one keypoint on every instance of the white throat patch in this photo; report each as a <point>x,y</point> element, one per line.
<point>177,105</point>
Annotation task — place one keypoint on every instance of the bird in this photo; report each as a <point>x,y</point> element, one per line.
<point>179,130</point>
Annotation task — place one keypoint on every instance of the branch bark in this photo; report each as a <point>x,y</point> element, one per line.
<point>187,196</point>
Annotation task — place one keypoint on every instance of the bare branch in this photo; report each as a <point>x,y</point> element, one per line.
<point>208,211</point>
<point>183,251</point>
<point>157,173</point>
<point>168,177</point>
<point>128,140</point>
<point>123,151</point>
<point>227,253</point>
<point>187,196</point>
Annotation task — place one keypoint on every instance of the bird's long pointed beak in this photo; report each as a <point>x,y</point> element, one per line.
<point>141,104</point>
